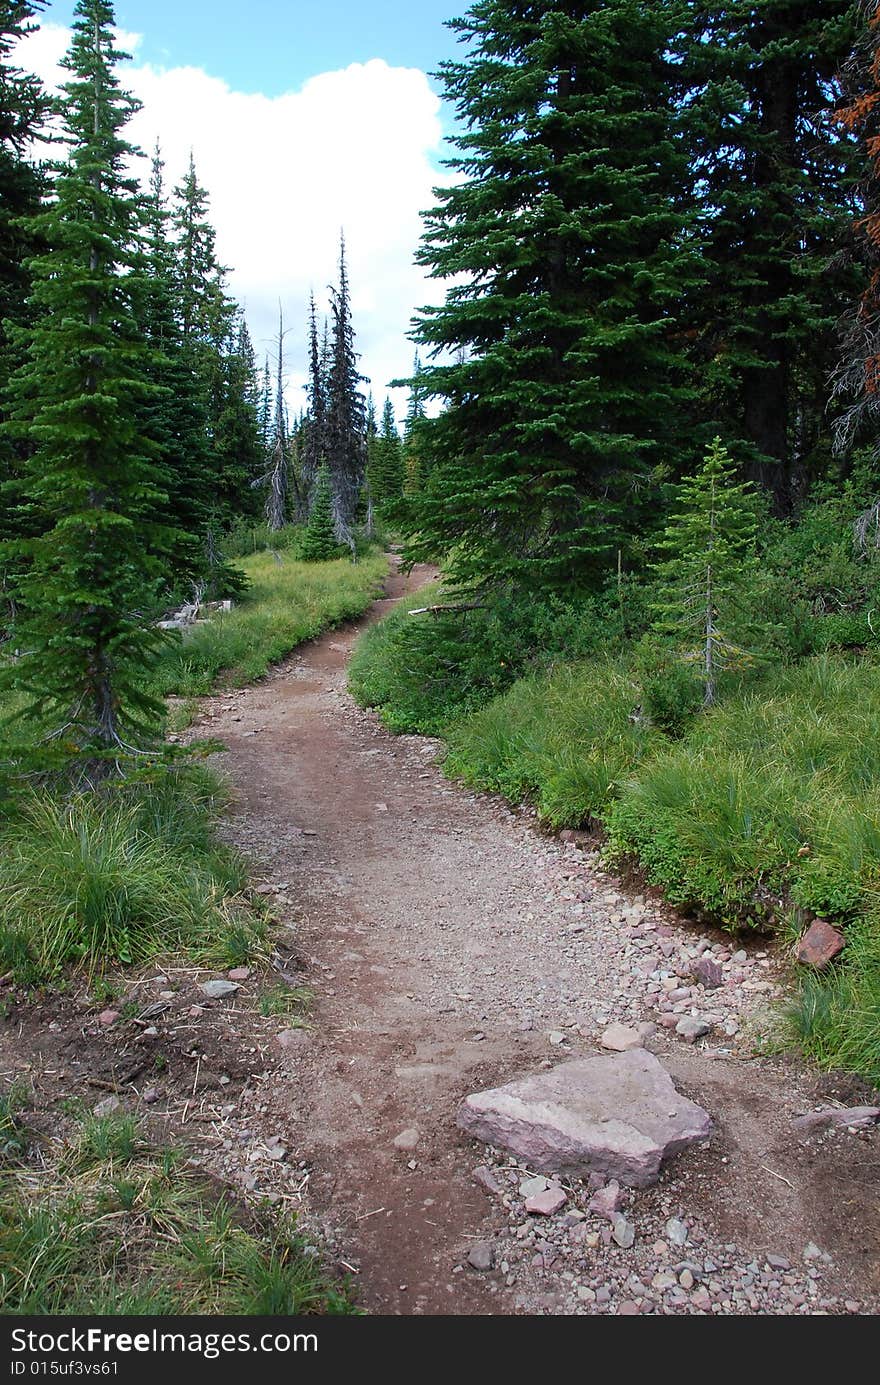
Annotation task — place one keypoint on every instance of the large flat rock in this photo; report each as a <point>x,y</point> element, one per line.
<point>619,1115</point>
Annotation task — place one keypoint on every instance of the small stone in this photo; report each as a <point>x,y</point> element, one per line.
<point>530,1187</point>
<point>686,1279</point>
<point>708,973</point>
<point>150,1095</point>
<point>556,1037</point>
<point>628,1309</point>
<point>407,1139</point>
<point>859,1117</point>
<point>108,1106</point>
<point>691,1028</point>
<point>481,1256</point>
<point>219,990</point>
<point>676,1232</point>
<point>623,1231</point>
<point>239,973</point>
<point>819,945</point>
<point>607,1201</point>
<point>107,1018</point>
<point>647,1029</point>
<point>195,1011</point>
<point>151,1032</point>
<point>620,1038</point>
<point>486,1179</point>
<point>663,1280</point>
<point>778,1262</point>
<point>545,1204</point>
<point>292,1039</point>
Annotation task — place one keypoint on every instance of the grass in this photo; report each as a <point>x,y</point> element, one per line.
<point>121,875</point>
<point>105,1224</point>
<point>287,602</point>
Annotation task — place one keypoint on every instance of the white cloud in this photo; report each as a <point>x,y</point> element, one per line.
<point>353,149</point>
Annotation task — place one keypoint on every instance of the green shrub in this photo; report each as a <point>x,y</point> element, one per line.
<point>422,672</point>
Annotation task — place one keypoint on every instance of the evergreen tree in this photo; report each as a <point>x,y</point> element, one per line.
<point>385,471</point>
<point>771,171</point>
<point>78,401</point>
<point>319,542</point>
<point>279,474</point>
<point>570,258</point>
<point>237,443</point>
<point>856,382</point>
<point>174,414</point>
<point>706,578</point>
<point>346,449</point>
<point>22,110</point>
<point>315,439</point>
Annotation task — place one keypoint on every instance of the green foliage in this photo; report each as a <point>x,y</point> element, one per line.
<point>705,577</point>
<point>835,1016</point>
<point>319,543</point>
<point>76,405</point>
<point>116,1227</point>
<point>571,256</point>
<point>114,876</point>
<point>423,671</point>
<point>565,740</point>
<point>287,603</point>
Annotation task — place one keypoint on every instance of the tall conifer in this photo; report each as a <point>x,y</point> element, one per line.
<point>78,401</point>
<point>570,258</point>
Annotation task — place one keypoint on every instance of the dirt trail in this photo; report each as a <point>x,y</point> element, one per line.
<point>431,939</point>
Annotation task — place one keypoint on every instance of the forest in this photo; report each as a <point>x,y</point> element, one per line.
<point>639,465</point>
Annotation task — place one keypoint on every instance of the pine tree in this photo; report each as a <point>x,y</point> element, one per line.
<point>23,107</point>
<point>237,443</point>
<point>772,174</point>
<point>319,540</point>
<point>706,577</point>
<point>346,449</point>
<point>315,439</point>
<point>78,401</point>
<point>385,470</point>
<point>279,474</point>
<point>570,258</point>
<point>856,384</point>
<point>174,414</point>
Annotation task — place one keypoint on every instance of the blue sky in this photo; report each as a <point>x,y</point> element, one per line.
<point>271,46</point>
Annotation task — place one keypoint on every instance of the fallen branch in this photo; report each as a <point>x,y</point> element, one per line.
<point>437,610</point>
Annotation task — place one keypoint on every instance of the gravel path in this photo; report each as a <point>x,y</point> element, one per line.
<point>451,946</point>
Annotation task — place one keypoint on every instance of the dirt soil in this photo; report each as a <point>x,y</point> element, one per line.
<point>434,928</point>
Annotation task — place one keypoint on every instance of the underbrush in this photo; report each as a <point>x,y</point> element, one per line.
<point>102,1223</point>
<point>286,603</point>
<point>119,875</point>
<point>424,672</point>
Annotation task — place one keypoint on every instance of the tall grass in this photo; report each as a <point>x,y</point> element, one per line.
<point>566,740</point>
<point>115,877</point>
<point>287,602</point>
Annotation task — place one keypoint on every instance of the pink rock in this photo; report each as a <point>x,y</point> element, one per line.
<point>546,1203</point>
<point>819,945</point>
<point>628,1309</point>
<point>619,1038</point>
<point>612,1114</point>
<point>858,1116</point>
<point>108,1017</point>
<point>292,1039</point>
<point>486,1179</point>
<point>608,1201</point>
<point>708,973</point>
<point>239,973</point>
